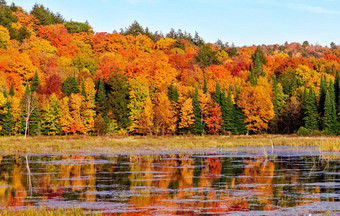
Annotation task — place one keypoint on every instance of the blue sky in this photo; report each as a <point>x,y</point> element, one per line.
<point>243,22</point>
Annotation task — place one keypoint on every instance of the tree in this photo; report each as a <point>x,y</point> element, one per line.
<point>207,57</point>
<point>35,81</point>
<point>101,99</point>
<point>228,113</point>
<point>328,115</point>
<point>34,124</point>
<point>11,90</point>
<point>214,119</point>
<point>8,122</point>
<point>337,91</point>
<point>205,88</point>
<point>118,99</point>
<point>186,115</point>
<point>217,94</point>
<point>173,93</point>
<point>310,110</point>
<point>279,97</point>
<point>322,96</point>
<point>51,113</point>
<point>197,127</point>
<point>45,16</point>
<point>29,105</point>
<point>256,104</point>
<point>145,123</point>
<point>77,27</point>
<point>164,116</point>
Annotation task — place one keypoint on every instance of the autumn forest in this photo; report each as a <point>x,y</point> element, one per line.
<point>59,77</point>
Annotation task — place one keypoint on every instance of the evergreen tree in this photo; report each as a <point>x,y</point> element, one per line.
<point>74,86</point>
<point>8,123</point>
<point>229,114</point>
<point>258,68</point>
<point>310,111</point>
<point>83,90</point>
<point>101,99</point>
<point>173,93</point>
<point>34,123</point>
<point>239,118</point>
<point>322,97</point>
<point>205,88</point>
<point>217,94</point>
<point>11,90</point>
<point>328,114</point>
<point>70,85</point>
<point>279,97</point>
<point>337,91</point>
<point>252,78</point>
<point>118,99</point>
<point>35,81</point>
<point>197,127</point>
<point>293,83</point>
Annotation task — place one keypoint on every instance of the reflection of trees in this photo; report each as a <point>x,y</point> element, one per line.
<point>257,179</point>
<point>171,184</point>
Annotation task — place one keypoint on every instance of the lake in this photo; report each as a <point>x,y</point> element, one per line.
<point>238,181</point>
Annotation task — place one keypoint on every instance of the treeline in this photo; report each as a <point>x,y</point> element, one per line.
<point>58,77</point>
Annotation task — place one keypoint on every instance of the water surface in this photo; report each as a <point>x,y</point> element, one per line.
<point>243,182</point>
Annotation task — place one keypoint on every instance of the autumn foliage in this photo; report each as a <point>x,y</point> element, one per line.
<point>139,82</point>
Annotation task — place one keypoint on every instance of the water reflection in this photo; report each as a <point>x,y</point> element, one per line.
<point>173,184</point>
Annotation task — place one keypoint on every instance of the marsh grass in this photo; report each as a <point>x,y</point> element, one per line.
<point>47,212</point>
<point>109,144</point>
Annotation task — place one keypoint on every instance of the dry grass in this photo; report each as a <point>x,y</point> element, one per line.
<point>46,212</point>
<point>108,144</point>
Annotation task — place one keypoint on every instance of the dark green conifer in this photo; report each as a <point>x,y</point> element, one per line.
<point>197,127</point>
<point>34,122</point>
<point>101,99</point>
<point>229,117</point>
<point>217,94</point>
<point>35,81</point>
<point>310,111</point>
<point>322,97</point>
<point>8,123</point>
<point>337,91</point>
<point>205,88</point>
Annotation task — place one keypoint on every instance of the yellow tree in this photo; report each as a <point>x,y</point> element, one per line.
<point>257,106</point>
<point>75,104</point>
<point>88,105</point>
<point>65,117</point>
<point>145,123</point>
<point>4,37</point>
<point>139,91</point>
<point>186,115</point>
<point>165,117</point>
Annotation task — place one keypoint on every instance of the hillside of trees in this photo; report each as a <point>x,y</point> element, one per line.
<point>58,77</point>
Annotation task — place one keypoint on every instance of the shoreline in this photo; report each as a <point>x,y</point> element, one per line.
<point>18,145</point>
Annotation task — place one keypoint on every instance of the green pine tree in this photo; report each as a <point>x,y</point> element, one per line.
<point>337,91</point>
<point>35,81</point>
<point>322,97</point>
<point>34,122</point>
<point>8,122</point>
<point>229,114</point>
<point>83,90</point>
<point>293,83</point>
<point>205,88</point>
<point>328,114</point>
<point>197,127</point>
<point>101,99</point>
<point>217,94</point>
<point>252,78</point>
<point>239,121</point>
<point>310,111</point>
